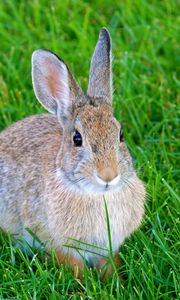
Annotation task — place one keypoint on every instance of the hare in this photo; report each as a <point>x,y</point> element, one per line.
<point>56,169</point>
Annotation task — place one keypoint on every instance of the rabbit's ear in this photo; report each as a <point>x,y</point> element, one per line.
<point>100,81</point>
<point>53,84</point>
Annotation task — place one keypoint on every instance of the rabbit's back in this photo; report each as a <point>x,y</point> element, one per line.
<point>23,148</point>
<point>22,136</point>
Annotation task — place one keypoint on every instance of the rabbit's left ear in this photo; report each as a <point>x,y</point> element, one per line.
<point>100,79</point>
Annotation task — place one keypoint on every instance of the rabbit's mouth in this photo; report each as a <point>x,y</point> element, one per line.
<point>99,186</point>
<point>107,185</point>
<point>93,185</point>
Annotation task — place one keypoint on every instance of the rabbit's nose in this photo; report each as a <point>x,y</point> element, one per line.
<point>107,174</point>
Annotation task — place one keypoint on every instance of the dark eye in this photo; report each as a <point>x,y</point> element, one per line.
<point>77,139</point>
<point>121,137</point>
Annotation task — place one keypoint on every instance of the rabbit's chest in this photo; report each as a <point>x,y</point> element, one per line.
<point>101,233</point>
<point>87,222</point>
<point>91,226</point>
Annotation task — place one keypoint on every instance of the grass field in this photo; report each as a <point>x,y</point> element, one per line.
<point>145,65</point>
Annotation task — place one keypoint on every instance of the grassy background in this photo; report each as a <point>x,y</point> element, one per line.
<point>146,58</point>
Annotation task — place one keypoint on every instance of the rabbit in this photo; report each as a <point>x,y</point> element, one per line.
<point>57,169</point>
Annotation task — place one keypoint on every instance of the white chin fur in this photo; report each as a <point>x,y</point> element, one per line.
<point>111,183</point>
<point>99,186</point>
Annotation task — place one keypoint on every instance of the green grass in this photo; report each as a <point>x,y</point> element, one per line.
<point>146,58</point>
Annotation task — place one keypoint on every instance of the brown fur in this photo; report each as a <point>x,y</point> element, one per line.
<point>75,264</point>
<point>107,267</point>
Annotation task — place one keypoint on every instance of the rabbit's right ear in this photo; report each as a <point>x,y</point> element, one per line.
<point>53,84</point>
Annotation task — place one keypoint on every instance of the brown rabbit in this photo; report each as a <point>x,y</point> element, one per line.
<point>55,170</point>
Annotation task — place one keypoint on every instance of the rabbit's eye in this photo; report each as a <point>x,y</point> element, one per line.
<point>77,139</point>
<point>121,136</point>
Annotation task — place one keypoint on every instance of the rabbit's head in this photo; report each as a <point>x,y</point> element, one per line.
<point>93,157</point>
